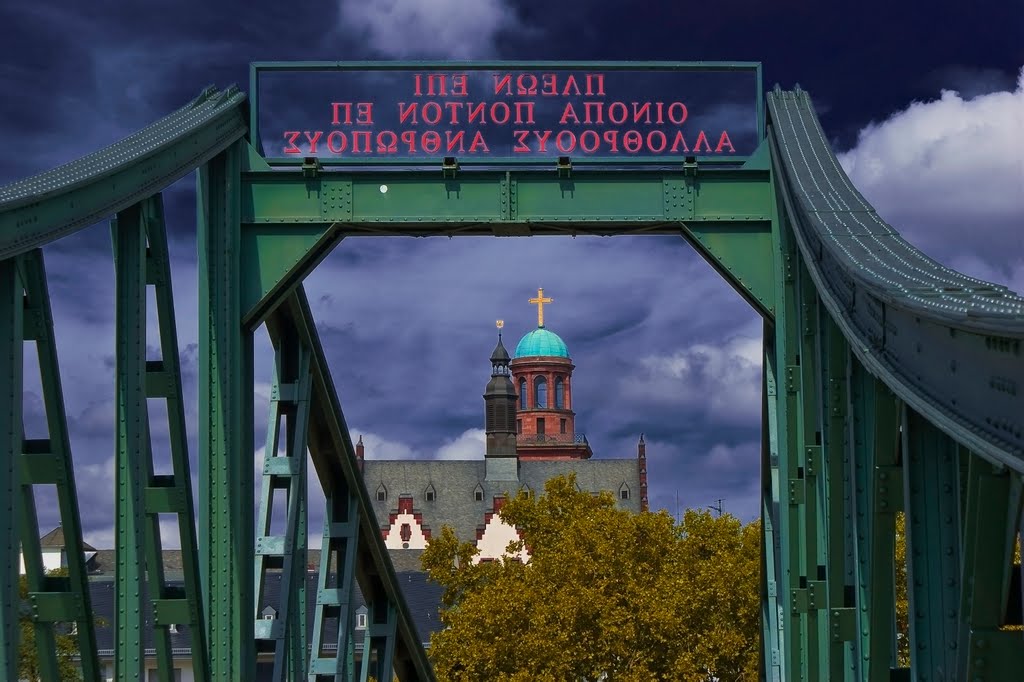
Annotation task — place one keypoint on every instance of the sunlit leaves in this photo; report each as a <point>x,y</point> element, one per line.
<point>607,592</point>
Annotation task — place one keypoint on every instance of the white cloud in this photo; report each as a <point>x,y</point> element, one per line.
<point>723,380</point>
<point>949,175</point>
<point>469,445</point>
<point>378,447</point>
<point>452,29</point>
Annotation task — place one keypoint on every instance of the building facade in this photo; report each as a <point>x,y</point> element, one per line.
<point>531,437</point>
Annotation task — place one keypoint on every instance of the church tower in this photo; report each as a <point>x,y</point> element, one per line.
<point>500,418</point>
<point>542,374</point>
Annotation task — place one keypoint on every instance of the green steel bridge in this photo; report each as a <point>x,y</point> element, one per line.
<point>891,384</point>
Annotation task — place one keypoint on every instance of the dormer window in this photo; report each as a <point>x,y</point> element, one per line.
<point>360,621</point>
<point>430,494</point>
<point>269,613</point>
<point>623,492</point>
<point>478,493</point>
<point>382,493</point>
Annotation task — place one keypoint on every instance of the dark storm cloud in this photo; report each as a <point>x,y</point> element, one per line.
<point>662,345</point>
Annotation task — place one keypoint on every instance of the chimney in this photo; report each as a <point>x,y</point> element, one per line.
<point>641,460</point>
<point>360,453</point>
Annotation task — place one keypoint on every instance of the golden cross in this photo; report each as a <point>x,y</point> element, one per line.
<point>540,301</point>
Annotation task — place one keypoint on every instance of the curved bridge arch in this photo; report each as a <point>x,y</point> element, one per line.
<point>891,384</point>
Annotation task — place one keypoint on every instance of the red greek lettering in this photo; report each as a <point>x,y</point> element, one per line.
<point>567,112</point>
<point>522,146</point>
<point>681,113</point>
<point>361,136</point>
<point>291,136</point>
<point>651,146</point>
<point>337,108</point>
<point>701,138</point>
<point>389,147</point>
<point>617,107</point>
<point>590,134</point>
<point>478,141</point>
<point>632,141</point>
<point>567,147</point>
<point>431,141</point>
<point>723,140</point>
<point>313,139</point>
<point>336,141</point>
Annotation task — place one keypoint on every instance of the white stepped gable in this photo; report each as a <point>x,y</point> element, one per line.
<point>495,539</point>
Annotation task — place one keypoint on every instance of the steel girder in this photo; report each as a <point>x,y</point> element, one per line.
<point>226,426</point>
<point>285,472</point>
<point>141,259</point>
<point>47,461</point>
<point>353,549</point>
<point>11,354</point>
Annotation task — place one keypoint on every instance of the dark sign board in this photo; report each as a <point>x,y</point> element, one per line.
<point>506,113</point>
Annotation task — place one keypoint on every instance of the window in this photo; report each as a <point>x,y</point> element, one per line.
<point>540,392</point>
<point>430,496</point>
<point>561,426</point>
<point>519,426</point>
<point>522,394</point>
<point>173,629</point>
<point>360,621</point>
<point>382,493</point>
<point>430,493</point>
<point>540,426</point>
<point>406,532</point>
<point>559,393</point>
<point>478,494</point>
<point>624,492</point>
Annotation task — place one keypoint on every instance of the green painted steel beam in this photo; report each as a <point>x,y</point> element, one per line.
<point>54,204</point>
<point>132,441</point>
<point>289,412</point>
<point>836,454</point>
<point>170,494</point>
<point>11,354</point>
<point>742,255</point>
<point>56,451</point>
<point>930,471</point>
<point>333,457</point>
<point>506,202</point>
<point>992,515</point>
<point>225,427</point>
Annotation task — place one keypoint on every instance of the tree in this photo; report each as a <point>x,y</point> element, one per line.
<point>607,594</point>
<point>67,644</point>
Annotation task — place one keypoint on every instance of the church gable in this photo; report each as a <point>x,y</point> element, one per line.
<point>405,527</point>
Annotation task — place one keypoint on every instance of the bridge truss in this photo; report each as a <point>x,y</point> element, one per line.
<point>891,385</point>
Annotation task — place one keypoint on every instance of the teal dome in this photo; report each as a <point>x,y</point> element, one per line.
<point>541,342</point>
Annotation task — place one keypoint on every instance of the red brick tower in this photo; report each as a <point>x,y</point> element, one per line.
<point>542,376</point>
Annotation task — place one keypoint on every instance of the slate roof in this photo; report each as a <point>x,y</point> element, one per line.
<point>55,540</point>
<point>455,481</point>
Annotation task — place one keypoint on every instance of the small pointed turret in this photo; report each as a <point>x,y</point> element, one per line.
<point>500,418</point>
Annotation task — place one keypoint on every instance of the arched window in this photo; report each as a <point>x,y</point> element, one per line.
<point>522,394</point>
<point>540,392</point>
<point>559,393</point>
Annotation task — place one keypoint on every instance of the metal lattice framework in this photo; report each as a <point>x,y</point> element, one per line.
<point>891,385</point>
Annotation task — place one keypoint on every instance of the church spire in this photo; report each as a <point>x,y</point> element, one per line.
<point>500,417</point>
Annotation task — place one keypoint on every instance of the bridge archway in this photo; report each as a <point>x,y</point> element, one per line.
<point>891,383</point>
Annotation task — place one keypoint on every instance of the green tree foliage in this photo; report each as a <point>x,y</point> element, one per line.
<point>28,661</point>
<point>607,594</point>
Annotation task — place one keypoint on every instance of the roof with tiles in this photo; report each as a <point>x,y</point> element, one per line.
<point>456,482</point>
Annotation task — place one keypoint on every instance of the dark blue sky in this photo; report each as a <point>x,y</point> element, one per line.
<point>923,99</point>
